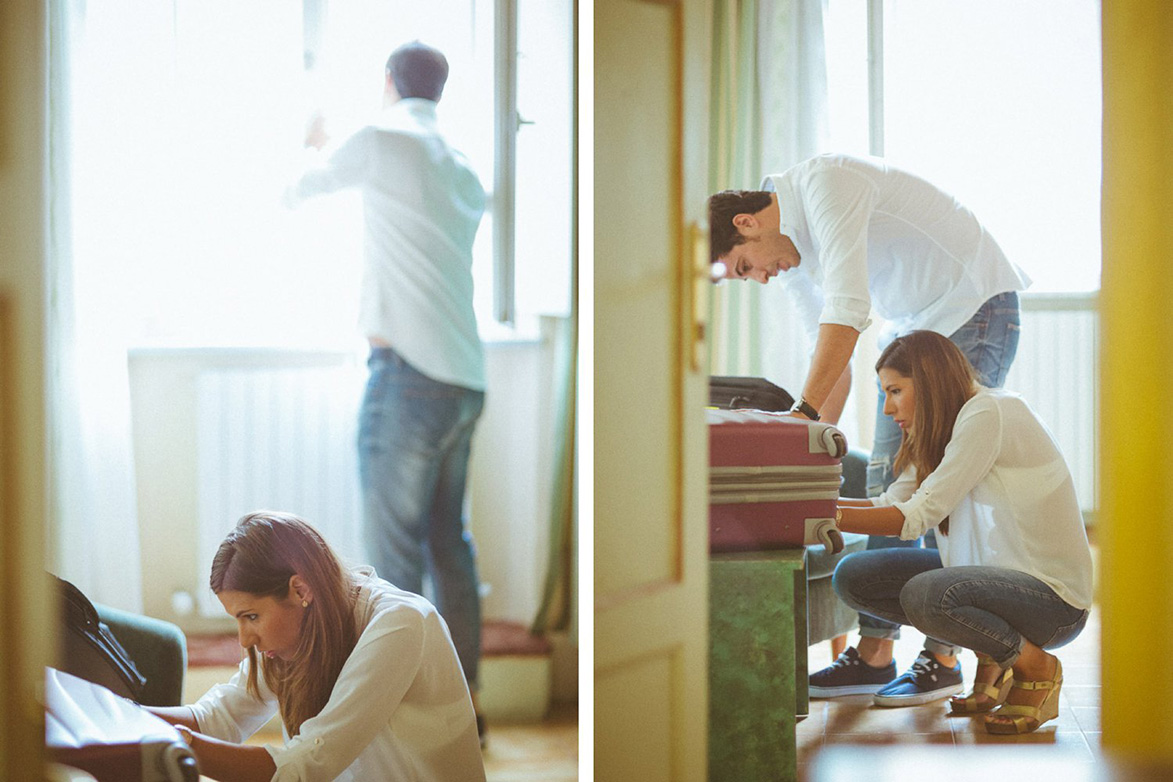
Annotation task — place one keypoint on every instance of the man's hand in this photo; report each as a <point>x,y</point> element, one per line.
<point>315,131</point>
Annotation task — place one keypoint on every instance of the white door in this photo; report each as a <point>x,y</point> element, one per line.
<point>650,486</point>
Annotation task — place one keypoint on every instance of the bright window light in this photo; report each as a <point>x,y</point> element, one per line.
<point>188,119</point>
<point>999,103</point>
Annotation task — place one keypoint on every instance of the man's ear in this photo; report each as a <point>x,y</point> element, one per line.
<point>300,590</point>
<point>745,221</point>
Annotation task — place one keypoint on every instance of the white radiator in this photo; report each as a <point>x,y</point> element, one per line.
<point>277,438</point>
<point>1056,371</point>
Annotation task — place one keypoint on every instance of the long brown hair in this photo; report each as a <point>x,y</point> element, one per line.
<point>943,380</point>
<point>259,556</point>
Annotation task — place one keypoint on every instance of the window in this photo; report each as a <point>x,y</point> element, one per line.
<point>188,121</point>
<point>997,102</point>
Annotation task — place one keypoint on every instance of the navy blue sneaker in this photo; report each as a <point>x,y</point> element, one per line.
<point>927,680</point>
<point>850,675</point>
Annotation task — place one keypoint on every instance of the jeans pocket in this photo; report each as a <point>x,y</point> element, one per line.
<point>1065,634</point>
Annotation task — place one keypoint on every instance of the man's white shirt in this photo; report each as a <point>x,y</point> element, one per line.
<point>422,204</point>
<point>870,235</point>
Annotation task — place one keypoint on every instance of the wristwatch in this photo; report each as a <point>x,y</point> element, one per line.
<point>805,407</point>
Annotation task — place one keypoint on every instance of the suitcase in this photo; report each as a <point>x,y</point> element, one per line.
<point>753,393</point>
<point>90,728</point>
<point>773,481</point>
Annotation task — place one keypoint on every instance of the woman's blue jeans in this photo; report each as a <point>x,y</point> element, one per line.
<point>414,440</point>
<point>986,609</point>
<point>989,340</point>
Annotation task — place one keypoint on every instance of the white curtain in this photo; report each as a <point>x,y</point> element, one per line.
<point>793,89</point>
<point>94,539</point>
<point>756,327</point>
<point>167,231</point>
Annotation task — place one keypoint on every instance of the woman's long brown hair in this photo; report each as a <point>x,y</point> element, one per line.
<point>259,557</point>
<point>943,380</point>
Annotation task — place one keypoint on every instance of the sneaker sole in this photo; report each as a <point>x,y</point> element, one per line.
<point>916,700</point>
<point>851,689</point>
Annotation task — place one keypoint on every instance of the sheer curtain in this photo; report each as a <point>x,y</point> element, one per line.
<point>174,127</point>
<point>770,112</point>
<point>94,534</point>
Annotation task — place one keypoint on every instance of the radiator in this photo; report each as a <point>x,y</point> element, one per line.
<point>278,438</point>
<point>1056,371</point>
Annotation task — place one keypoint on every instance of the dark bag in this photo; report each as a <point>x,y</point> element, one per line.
<point>90,651</point>
<point>752,393</point>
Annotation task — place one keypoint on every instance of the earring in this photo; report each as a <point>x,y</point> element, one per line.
<point>304,604</point>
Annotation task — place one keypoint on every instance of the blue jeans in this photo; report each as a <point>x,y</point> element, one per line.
<point>414,440</point>
<point>989,340</point>
<point>986,609</point>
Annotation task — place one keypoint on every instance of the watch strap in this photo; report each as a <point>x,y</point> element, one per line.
<point>805,407</point>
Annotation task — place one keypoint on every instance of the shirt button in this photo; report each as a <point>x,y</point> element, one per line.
<point>317,741</point>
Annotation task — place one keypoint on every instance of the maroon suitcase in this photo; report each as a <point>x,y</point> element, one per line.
<point>773,481</point>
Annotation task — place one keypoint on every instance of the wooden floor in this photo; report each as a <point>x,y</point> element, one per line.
<point>854,722</point>
<point>534,752</point>
<point>545,752</point>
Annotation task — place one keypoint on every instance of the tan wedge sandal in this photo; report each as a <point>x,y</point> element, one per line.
<point>1028,719</point>
<point>984,697</point>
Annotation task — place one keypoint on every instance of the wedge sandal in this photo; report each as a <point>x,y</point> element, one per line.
<point>984,697</point>
<point>1028,719</point>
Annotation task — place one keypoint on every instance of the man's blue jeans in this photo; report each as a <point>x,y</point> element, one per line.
<point>986,609</point>
<point>414,440</point>
<point>989,340</point>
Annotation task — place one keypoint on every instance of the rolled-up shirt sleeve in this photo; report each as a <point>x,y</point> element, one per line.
<point>968,457</point>
<point>839,205</point>
<point>369,688</point>
<point>344,167</point>
<point>901,490</point>
<point>230,712</point>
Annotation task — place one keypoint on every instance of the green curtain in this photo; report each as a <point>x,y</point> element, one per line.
<point>735,162</point>
<point>559,597</point>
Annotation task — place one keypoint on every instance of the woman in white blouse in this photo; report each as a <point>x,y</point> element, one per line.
<point>364,675</point>
<point>1012,576</point>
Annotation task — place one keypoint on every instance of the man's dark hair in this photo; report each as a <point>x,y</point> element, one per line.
<point>418,70</point>
<point>723,207</point>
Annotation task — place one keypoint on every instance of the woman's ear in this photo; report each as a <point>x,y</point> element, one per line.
<point>300,590</point>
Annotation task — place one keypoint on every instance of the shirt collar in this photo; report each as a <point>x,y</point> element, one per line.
<point>417,111</point>
<point>791,220</point>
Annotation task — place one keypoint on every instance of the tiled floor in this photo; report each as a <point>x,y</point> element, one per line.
<point>855,721</point>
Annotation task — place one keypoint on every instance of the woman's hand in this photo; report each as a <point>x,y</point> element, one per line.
<point>229,762</point>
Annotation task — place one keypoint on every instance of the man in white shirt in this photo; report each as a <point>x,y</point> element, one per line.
<point>847,235</point>
<point>422,204</point>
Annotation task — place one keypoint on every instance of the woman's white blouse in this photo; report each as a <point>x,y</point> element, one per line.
<point>400,709</point>
<point>1008,495</point>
